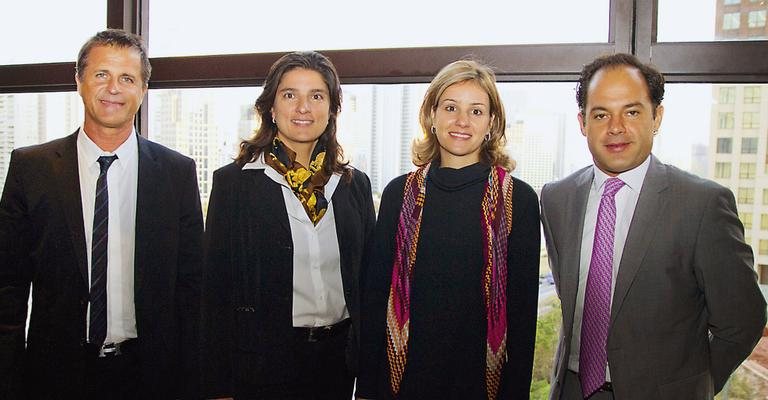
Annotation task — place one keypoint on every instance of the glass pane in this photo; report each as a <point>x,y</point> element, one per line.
<point>378,123</point>
<point>27,119</point>
<point>207,124</point>
<point>181,28</point>
<point>712,20</point>
<point>38,31</point>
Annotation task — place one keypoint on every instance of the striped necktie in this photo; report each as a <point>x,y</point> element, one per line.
<point>98,314</point>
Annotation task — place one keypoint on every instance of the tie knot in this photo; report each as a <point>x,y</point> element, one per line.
<point>612,185</point>
<point>105,162</point>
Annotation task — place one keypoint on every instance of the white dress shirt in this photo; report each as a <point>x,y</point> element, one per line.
<point>122,179</point>
<point>626,200</point>
<point>318,292</point>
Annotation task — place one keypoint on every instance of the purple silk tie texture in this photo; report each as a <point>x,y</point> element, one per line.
<point>597,296</point>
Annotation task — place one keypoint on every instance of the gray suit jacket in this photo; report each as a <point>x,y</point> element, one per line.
<point>686,307</point>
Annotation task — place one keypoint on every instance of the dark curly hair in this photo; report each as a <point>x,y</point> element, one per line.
<point>653,78</point>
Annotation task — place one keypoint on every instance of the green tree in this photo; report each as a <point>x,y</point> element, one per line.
<point>547,332</point>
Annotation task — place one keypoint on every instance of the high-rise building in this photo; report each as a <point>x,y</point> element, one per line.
<point>188,124</point>
<point>741,19</point>
<point>7,139</point>
<point>22,123</point>
<point>534,143</point>
<point>739,130</point>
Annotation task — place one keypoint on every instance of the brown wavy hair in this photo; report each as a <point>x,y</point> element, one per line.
<point>114,38</point>
<point>426,148</point>
<point>261,141</point>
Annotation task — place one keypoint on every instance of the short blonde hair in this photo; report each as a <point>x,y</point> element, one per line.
<point>426,148</point>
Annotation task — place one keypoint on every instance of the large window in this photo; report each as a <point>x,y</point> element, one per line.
<point>31,25</point>
<point>32,118</point>
<point>707,20</point>
<point>207,73</point>
<point>232,26</point>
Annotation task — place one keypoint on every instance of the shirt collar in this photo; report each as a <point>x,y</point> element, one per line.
<point>126,152</point>
<point>633,178</point>
<point>259,163</point>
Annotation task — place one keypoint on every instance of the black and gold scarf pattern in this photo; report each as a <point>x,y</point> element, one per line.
<point>308,184</point>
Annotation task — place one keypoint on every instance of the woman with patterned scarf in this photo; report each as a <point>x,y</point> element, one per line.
<point>450,298</point>
<point>287,232</point>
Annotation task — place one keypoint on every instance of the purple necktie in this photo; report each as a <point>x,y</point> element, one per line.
<point>597,296</point>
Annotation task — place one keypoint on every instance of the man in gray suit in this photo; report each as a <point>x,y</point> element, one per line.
<point>659,296</point>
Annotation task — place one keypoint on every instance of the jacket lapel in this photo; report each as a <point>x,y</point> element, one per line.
<point>148,203</point>
<point>344,231</point>
<point>648,211</point>
<point>68,180</point>
<point>575,206</point>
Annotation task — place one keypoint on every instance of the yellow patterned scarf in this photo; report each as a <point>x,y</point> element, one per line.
<point>308,184</point>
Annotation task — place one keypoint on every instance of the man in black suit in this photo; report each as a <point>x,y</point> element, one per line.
<point>107,227</point>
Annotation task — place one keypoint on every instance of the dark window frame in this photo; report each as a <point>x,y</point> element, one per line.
<point>632,29</point>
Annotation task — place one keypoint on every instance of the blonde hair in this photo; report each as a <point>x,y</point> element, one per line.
<point>426,148</point>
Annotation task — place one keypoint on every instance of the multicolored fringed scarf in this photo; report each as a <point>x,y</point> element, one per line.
<point>496,224</point>
<point>307,184</point>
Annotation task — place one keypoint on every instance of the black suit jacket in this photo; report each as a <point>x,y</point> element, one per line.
<point>42,241</point>
<point>248,277</point>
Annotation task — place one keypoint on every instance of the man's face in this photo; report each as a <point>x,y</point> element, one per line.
<point>618,120</point>
<point>112,88</point>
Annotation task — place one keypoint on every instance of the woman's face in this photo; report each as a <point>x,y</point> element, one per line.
<point>301,108</point>
<point>462,119</point>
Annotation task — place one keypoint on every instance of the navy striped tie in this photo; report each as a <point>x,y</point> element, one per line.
<point>98,316</point>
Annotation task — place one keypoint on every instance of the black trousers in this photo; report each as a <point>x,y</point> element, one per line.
<point>321,372</point>
<point>113,377</point>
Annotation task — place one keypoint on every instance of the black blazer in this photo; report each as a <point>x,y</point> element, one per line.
<point>248,276</point>
<point>42,241</point>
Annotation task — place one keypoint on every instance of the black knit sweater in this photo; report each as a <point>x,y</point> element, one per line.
<point>446,348</point>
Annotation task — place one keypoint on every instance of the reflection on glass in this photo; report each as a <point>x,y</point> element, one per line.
<point>376,127</point>
<point>38,31</point>
<point>378,122</point>
<point>32,118</point>
<point>233,26</point>
<point>711,20</point>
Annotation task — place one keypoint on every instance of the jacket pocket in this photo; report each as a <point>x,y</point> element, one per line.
<point>246,328</point>
<point>696,387</point>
